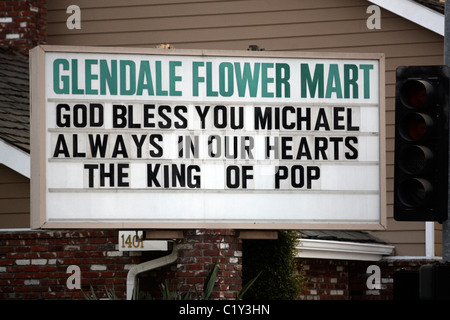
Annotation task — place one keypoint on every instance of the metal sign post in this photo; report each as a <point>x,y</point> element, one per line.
<point>446,224</point>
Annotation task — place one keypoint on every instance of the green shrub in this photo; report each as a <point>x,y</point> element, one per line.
<point>203,294</point>
<point>281,278</point>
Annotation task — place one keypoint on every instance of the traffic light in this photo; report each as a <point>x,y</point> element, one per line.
<point>434,282</point>
<point>421,143</point>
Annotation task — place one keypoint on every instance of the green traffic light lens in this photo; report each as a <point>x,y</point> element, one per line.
<point>415,192</point>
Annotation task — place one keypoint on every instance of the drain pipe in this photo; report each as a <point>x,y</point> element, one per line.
<point>146,266</point>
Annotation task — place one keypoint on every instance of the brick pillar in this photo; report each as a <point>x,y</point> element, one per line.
<point>22,24</point>
<point>200,250</point>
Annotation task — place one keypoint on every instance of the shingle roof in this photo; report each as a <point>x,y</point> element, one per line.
<point>433,4</point>
<point>350,236</point>
<point>14,100</point>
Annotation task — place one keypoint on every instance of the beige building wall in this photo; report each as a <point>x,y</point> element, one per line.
<point>14,199</point>
<point>307,25</point>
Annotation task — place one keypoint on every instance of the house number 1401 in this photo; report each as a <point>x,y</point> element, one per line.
<point>129,241</point>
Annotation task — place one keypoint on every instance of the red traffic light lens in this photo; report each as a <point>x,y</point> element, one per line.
<point>416,93</point>
<point>415,126</point>
<point>415,192</point>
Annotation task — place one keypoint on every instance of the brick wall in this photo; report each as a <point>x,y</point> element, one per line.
<point>33,264</point>
<point>347,280</point>
<point>22,24</point>
<point>200,250</point>
<point>326,279</point>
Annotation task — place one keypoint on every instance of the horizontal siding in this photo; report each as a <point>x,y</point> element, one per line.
<point>151,21</point>
<point>14,199</point>
<point>190,24</point>
<point>307,25</point>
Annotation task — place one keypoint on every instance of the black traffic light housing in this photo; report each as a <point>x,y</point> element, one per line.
<point>434,282</point>
<point>421,143</point>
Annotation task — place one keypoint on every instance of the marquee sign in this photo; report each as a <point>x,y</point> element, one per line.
<point>151,138</point>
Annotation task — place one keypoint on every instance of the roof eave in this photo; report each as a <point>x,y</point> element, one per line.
<point>415,12</point>
<point>15,158</point>
<point>342,250</point>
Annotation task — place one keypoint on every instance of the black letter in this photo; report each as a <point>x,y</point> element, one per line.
<point>224,117</point>
<point>202,115</point>
<point>119,147</point>
<point>240,125</point>
<point>152,175</point>
<point>138,144</point>
<point>91,168</point>
<point>121,174</point>
<point>301,172</point>
<point>79,121</point>
<point>156,145</point>
<point>321,145</point>
<point>165,117</point>
<point>98,145</point>
<point>193,180</point>
<point>235,171</point>
<point>284,117</point>
<point>119,113</point>
<point>338,118</point>
<point>285,148</point>
<point>306,119</point>
<point>178,175</point>
<point>61,147</point>
<point>104,174</point>
<point>263,121</point>
<point>349,121</point>
<point>183,124</point>
<point>93,107</point>
<point>281,173</point>
<point>352,148</point>
<point>131,124</point>
<point>76,154</point>
<point>148,115</point>
<point>246,176</point>
<point>322,120</point>
<point>336,141</point>
<point>303,145</point>
<point>313,174</point>
<point>59,117</point>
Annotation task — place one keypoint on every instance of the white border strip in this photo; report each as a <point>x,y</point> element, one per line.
<point>342,250</point>
<point>416,13</point>
<point>15,159</point>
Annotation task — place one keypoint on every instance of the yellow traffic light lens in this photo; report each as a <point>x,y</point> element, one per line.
<point>415,159</point>
<point>416,126</point>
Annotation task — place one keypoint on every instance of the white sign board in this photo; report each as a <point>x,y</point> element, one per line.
<point>180,139</point>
